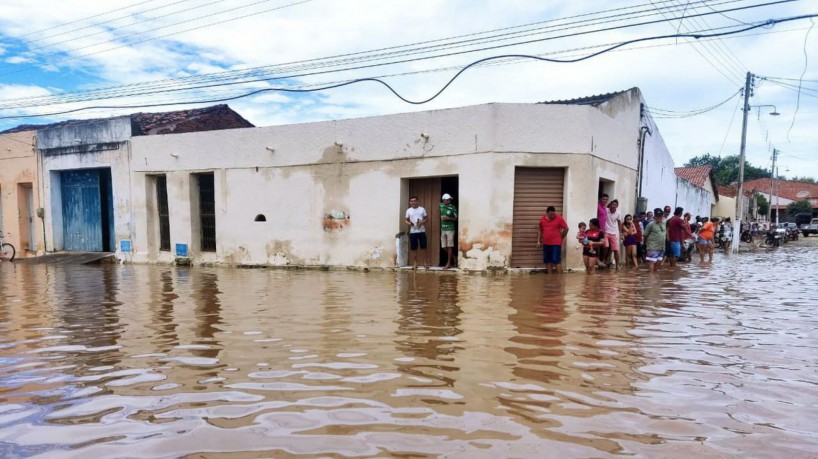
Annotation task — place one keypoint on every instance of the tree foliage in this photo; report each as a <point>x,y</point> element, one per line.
<point>799,207</point>
<point>762,205</point>
<point>726,168</point>
<point>804,179</point>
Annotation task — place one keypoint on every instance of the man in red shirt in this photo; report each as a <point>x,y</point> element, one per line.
<point>676,233</point>
<point>550,234</point>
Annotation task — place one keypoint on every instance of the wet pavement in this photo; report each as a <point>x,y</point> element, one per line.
<point>154,362</point>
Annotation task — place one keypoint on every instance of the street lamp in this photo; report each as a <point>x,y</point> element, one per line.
<point>772,113</point>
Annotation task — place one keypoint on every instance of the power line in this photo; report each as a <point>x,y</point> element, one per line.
<point>85,18</point>
<point>98,24</point>
<point>806,62</point>
<point>242,75</point>
<point>445,86</point>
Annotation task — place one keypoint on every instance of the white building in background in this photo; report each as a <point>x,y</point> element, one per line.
<point>696,190</point>
<point>334,193</point>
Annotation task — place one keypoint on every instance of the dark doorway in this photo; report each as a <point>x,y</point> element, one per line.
<point>207,211</point>
<point>163,212</point>
<point>429,191</point>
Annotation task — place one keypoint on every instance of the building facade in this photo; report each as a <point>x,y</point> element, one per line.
<point>20,193</point>
<point>334,193</point>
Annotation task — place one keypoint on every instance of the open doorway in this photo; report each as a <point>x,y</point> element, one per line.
<point>429,191</point>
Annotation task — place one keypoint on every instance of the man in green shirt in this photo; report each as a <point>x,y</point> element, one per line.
<point>655,235</point>
<point>448,219</point>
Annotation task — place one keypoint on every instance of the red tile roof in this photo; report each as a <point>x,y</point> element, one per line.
<point>695,175</point>
<point>730,191</point>
<point>795,191</point>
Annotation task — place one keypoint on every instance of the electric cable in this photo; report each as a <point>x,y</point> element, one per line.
<point>445,86</point>
<point>729,126</point>
<point>800,83</point>
<point>41,100</point>
<point>27,34</point>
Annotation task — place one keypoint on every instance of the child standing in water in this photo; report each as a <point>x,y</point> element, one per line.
<point>594,240</point>
<point>630,233</point>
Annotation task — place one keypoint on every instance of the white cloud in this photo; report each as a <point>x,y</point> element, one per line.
<point>671,76</point>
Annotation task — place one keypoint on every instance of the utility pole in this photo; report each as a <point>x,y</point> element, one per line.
<point>772,188</point>
<point>740,195</point>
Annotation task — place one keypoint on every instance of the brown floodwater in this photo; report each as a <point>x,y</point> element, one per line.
<point>157,362</point>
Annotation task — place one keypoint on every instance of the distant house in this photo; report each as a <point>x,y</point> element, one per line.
<point>85,165</point>
<point>726,206</point>
<point>780,193</point>
<point>696,190</point>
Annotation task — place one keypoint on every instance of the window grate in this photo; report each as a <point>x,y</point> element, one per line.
<point>207,212</point>
<point>163,213</point>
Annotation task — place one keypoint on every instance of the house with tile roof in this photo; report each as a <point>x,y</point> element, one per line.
<point>78,172</point>
<point>696,190</point>
<point>780,193</point>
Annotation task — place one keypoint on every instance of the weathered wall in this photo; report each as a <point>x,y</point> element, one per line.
<point>359,168</point>
<point>658,174</point>
<point>18,167</point>
<point>692,198</point>
<point>118,160</point>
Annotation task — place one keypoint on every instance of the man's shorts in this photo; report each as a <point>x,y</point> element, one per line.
<point>675,249</point>
<point>417,239</point>
<point>655,255</point>
<point>446,239</point>
<point>613,241</point>
<point>702,241</point>
<point>552,254</point>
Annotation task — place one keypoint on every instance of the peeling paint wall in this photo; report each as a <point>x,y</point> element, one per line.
<point>18,166</point>
<point>334,193</point>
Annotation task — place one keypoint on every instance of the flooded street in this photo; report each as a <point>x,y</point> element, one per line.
<point>158,362</point>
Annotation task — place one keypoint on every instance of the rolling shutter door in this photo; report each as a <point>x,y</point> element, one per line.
<point>534,190</point>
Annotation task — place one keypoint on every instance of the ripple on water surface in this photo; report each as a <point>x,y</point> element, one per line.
<point>708,360</point>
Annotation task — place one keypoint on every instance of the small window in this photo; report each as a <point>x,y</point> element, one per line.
<point>260,218</point>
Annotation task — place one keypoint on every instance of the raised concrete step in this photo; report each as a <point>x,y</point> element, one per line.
<point>69,258</point>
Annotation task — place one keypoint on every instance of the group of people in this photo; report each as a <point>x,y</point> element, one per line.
<point>416,217</point>
<point>663,236</point>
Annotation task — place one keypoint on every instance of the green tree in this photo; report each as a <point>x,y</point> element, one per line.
<point>762,205</point>
<point>799,207</point>
<point>803,179</point>
<point>726,168</point>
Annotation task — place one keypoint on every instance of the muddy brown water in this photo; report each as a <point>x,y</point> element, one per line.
<point>156,362</point>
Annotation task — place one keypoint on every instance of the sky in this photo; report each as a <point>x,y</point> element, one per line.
<point>66,55</point>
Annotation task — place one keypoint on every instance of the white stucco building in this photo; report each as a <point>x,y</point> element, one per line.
<point>696,190</point>
<point>334,193</point>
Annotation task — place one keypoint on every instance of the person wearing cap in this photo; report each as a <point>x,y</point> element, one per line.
<point>448,223</point>
<point>550,234</point>
<point>655,235</point>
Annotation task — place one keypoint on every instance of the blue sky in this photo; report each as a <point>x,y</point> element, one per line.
<point>56,48</point>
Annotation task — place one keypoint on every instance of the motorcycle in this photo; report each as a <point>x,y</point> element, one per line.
<point>746,236</point>
<point>687,249</point>
<point>772,239</point>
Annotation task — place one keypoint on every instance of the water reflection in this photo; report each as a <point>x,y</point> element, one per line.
<point>247,363</point>
<point>429,318</point>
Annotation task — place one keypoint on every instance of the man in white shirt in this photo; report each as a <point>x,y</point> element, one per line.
<point>416,218</point>
<point>612,227</point>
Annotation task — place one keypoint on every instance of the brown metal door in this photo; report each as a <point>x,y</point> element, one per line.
<point>534,190</point>
<point>428,192</point>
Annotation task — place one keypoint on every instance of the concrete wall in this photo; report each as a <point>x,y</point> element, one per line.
<point>297,175</point>
<point>658,175</point>
<point>19,173</point>
<point>102,144</point>
<point>694,199</point>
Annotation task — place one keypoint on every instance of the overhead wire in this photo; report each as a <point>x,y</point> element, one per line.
<point>508,35</point>
<point>445,86</point>
<point>242,78</point>
<point>719,44</point>
<point>800,83</point>
<point>28,34</point>
<point>110,29</point>
<point>729,126</point>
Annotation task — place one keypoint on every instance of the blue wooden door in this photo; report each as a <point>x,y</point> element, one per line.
<point>81,211</point>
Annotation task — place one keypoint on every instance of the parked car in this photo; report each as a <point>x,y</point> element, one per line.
<point>809,228</point>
